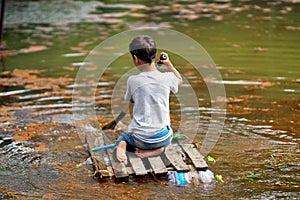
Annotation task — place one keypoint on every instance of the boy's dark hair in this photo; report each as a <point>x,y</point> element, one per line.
<point>143,47</point>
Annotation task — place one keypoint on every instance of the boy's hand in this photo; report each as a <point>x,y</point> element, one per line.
<point>165,61</point>
<point>170,66</point>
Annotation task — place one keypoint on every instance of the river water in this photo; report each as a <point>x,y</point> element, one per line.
<point>255,45</point>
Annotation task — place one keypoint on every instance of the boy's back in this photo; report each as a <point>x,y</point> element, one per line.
<point>150,93</point>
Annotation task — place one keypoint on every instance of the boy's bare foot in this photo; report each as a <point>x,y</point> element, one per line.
<point>149,153</point>
<point>121,152</point>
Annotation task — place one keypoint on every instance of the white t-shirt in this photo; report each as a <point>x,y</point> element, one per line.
<point>150,92</point>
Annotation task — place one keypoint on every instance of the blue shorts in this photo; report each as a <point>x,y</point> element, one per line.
<point>134,142</point>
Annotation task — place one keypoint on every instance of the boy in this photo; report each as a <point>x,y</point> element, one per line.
<point>149,130</point>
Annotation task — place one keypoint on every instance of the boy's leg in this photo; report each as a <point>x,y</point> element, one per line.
<point>121,148</point>
<point>124,143</point>
<point>149,153</point>
<point>153,149</point>
<point>121,152</point>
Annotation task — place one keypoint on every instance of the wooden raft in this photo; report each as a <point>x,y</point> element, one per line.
<point>176,157</point>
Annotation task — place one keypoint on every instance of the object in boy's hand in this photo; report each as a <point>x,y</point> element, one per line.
<point>162,57</point>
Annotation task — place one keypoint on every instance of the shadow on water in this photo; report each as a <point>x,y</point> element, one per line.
<point>258,152</point>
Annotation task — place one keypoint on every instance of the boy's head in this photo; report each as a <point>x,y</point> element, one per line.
<point>144,48</point>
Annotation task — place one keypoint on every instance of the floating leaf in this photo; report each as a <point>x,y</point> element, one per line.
<point>79,165</point>
<point>278,183</point>
<point>210,159</point>
<point>179,136</point>
<point>219,178</point>
<point>78,147</point>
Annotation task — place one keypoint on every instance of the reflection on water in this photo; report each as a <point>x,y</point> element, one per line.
<point>255,45</point>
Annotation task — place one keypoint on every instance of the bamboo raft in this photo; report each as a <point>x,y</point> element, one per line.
<point>178,156</point>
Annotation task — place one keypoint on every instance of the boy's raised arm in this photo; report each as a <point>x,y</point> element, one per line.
<point>170,66</point>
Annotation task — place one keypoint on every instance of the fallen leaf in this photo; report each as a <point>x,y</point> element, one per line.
<point>210,159</point>
<point>260,49</point>
<point>179,136</point>
<point>33,49</point>
<point>235,100</point>
<point>8,53</point>
<point>267,84</point>
<point>292,28</point>
<point>40,148</point>
<point>234,71</point>
<point>5,74</point>
<point>189,73</point>
<point>138,15</point>
<point>79,165</point>
<point>219,178</point>
<point>218,18</point>
<point>297,80</point>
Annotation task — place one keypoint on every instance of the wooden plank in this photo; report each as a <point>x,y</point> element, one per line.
<point>93,140</point>
<point>130,170</point>
<point>137,164</point>
<point>110,171</point>
<point>174,155</point>
<point>195,156</point>
<point>194,175</point>
<point>157,165</point>
<point>119,168</point>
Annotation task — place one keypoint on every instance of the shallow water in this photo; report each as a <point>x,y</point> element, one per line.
<point>255,45</point>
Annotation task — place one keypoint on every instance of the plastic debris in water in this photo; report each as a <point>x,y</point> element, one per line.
<point>178,178</point>
<point>107,161</point>
<point>89,164</point>
<point>171,178</point>
<point>206,176</point>
<point>89,161</point>
<point>181,178</point>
